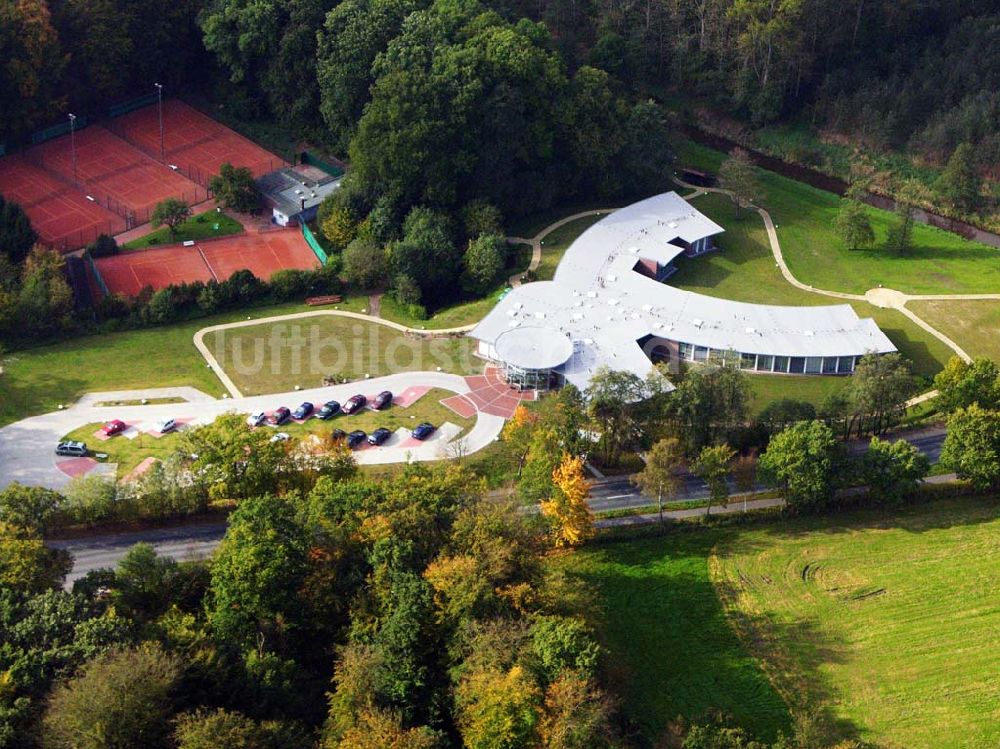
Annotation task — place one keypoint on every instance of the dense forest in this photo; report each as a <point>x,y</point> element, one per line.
<point>922,74</point>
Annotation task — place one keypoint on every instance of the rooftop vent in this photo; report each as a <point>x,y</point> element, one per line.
<point>751,331</point>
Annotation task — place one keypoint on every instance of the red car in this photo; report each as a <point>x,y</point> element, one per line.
<point>115,426</point>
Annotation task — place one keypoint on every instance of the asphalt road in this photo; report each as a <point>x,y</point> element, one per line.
<point>183,543</point>
<point>198,540</point>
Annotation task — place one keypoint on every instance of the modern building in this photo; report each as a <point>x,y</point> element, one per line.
<point>293,193</point>
<point>608,306</point>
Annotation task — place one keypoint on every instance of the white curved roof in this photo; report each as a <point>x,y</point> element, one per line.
<point>599,302</point>
<point>531,347</point>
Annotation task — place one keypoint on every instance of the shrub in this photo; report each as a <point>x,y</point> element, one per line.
<point>291,284</point>
<point>103,246</point>
<point>365,264</point>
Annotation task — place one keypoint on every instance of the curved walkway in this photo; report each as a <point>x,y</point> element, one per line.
<point>536,241</point>
<point>199,337</point>
<point>879,297</point>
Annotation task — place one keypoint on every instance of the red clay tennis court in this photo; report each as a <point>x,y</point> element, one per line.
<point>62,216</point>
<point>262,254</point>
<point>194,142</point>
<point>115,172</point>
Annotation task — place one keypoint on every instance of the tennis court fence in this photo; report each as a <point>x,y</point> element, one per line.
<point>82,237</point>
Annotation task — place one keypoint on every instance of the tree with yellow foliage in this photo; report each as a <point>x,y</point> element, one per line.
<point>517,434</point>
<point>498,709</point>
<point>567,509</point>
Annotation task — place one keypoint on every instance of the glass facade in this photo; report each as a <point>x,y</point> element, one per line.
<point>530,379</point>
<point>828,365</point>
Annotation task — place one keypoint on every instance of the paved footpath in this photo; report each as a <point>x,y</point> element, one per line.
<point>27,446</point>
<point>879,297</point>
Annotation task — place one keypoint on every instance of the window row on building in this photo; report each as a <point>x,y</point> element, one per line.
<point>828,365</point>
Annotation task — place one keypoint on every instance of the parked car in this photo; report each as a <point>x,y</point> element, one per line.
<point>382,400</point>
<point>303,411</point>
<point>257,418</point>
<point>338,435</point>
<point>353,403</point>
<point>423,431</point>
<point>73,448</point>
<point>281,437</point>
<point>355,438</point>
<point>280,415</point>
<point>328,410</point>
<point>115,426</point>
<point>166,425</point>
<point>379,436</point>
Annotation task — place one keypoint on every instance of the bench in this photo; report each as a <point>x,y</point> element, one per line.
<point>316,301</point>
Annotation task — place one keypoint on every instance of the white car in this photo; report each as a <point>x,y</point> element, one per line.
<point>166,425</point>
<point>256,418</point>
<point>281,437</point>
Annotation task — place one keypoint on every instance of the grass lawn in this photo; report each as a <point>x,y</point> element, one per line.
<point>768,389</point>
<point>39,379</point>
<point>528,226</point>
<point>671,651</point>
<point>744,270</point>
<point>196,227</point>
<point>127,453</point>
<point>940,263</point>
<point>555,244</point>
<point>275,357</point>
<point>973,325</point>
<point>890,623</point>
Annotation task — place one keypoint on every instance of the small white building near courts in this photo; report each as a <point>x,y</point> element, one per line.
<point>608,306</point>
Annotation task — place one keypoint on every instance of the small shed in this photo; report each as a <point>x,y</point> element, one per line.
<point>295,192</point>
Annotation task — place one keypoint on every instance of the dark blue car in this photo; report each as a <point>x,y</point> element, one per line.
<point>423,431</point>
<point>328,410</point>
<point>303,411</point>
<point>355,438</point>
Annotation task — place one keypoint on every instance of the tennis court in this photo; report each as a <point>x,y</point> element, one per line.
<point>262,254</point>
<point>195,143</point>
<point>62,216</point>
<point>116,173</point>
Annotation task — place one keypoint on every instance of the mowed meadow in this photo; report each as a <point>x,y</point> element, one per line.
<point>890,623</point>
<point>885,625</point>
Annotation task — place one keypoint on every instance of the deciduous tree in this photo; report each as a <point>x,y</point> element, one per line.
<point>171,213</point>
<point>892,470</point>
<point>484,258</point>
<point>712,467</point>
<point>960,183</point>
<point>961,383</point>
<point>663,471</point>
<point>567,508</point>
<point>739,175</point>
<point>256,573</point>
<point>800,460</point>
<point>234,188</point>
<point>120,700</point>
<point>853,224</point>
<point>497,709</point>
<point>972,446</point>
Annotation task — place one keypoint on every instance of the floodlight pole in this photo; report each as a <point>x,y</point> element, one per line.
<point>72,142</point>
<point>159,101</point>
